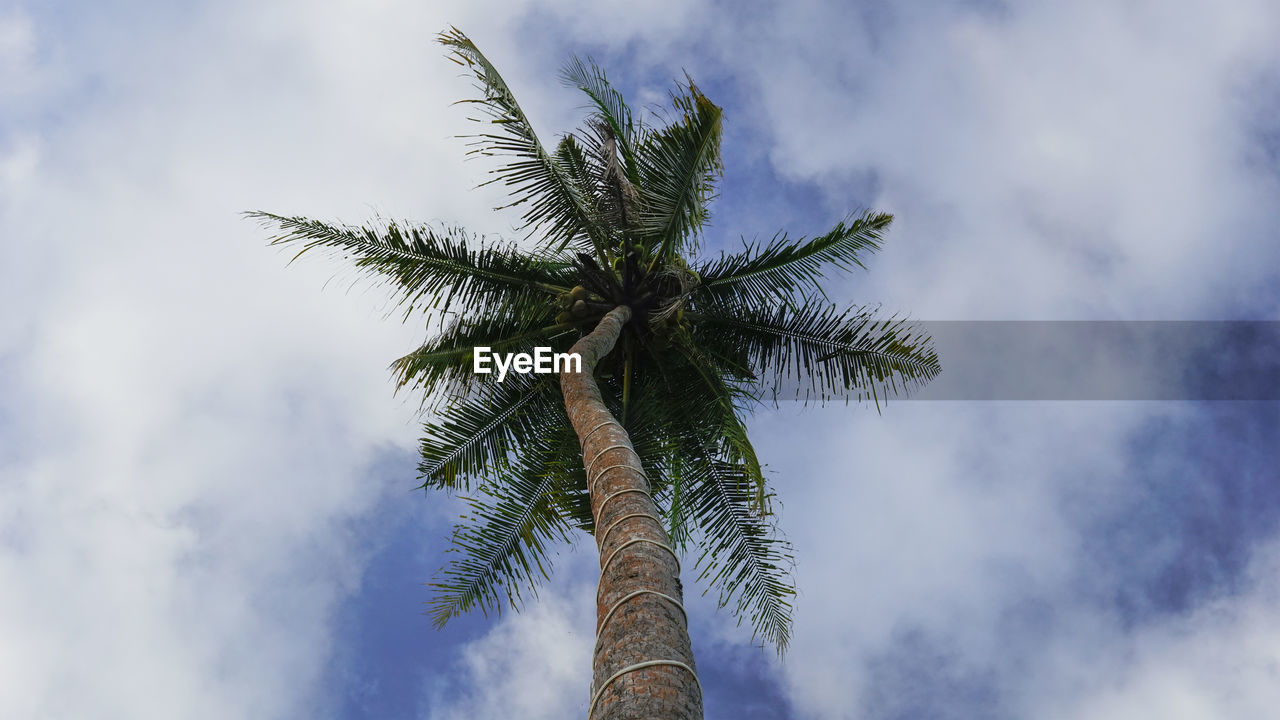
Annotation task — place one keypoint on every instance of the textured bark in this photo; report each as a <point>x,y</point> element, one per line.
<point>637,570</point>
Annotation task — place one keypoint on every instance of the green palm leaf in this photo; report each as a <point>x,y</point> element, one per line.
<point>815,350</point>
<point>448,360</point>
<point>678,168</point>
<point>661,427</point>
<point>785,267</point>
<point>610,108</point>
<point>741,555</point>
<point>569,494</point>
<point>438,267</point>
<point>504,541</point>
<point>482,429</point>
<point>718,403</point>
<point>556,206</point>
<point>570,156</point>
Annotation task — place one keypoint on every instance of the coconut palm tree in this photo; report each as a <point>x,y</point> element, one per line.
<point>643,446</point>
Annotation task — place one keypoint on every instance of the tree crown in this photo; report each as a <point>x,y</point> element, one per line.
<point>616,211</point>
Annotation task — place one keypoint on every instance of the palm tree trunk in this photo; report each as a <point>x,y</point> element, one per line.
<point>643,663</point>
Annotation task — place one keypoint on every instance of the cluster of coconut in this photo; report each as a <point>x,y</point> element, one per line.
<point>580,304</point>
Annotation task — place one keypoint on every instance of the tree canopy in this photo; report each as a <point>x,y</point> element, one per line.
<point>615,214</point>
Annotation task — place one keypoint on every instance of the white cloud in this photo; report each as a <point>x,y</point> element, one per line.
<point>18,162</point>
<point>1045,161</point>
<point>933,518</point>
<point>17,56</point>
<point>1220,661</point>
<point>192,424</point>
<point>532,664</point>
<point>1049,161</point>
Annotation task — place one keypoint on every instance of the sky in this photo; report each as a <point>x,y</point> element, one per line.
<point>206,481</point>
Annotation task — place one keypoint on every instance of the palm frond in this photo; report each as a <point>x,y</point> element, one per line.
<point>482,429</point>
<point>719,402</point>
<point>447,361</point>
<point>660,425</point>
<point>785,267</point>
<point>610,108</point>
<point>569,495</point>
<point>679,165</point>
<point>434,268</point>
<point>555,205</point>
<point>812,350</point>
<point>571,156</point>
<point>616,195</point>
<point>741,554</point>
<point>504,541</point>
